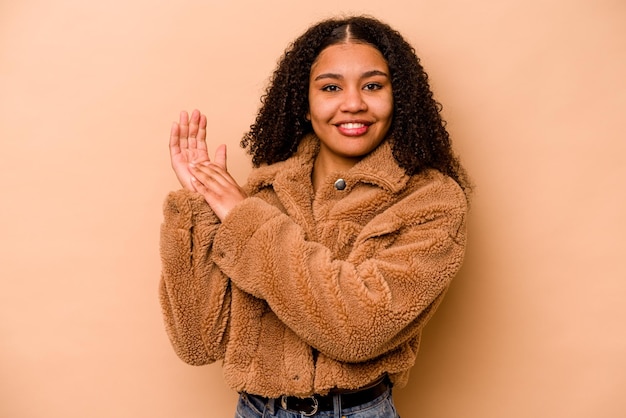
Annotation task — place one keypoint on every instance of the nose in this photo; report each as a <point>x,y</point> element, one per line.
<point>353,101</point>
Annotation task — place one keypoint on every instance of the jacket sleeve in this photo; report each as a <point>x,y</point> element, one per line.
<point>356,309</point>
<point>194,293</point>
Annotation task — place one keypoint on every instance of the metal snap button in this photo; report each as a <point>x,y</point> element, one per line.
<point>340,184</point>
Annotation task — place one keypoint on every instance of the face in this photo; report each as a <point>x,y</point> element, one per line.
<point>350,101</point>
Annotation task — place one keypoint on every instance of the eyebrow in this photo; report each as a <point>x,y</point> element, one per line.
<point>366,74</point>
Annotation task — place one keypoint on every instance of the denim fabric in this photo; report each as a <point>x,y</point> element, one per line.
<point>251,406</point>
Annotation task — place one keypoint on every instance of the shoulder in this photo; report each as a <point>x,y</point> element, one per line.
<point>434,186</point>
<point>430,196</point>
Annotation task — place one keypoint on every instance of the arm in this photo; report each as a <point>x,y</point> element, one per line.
<point>355,309</point>
<point>194,293</point>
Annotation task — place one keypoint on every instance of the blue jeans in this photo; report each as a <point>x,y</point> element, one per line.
<point>250,406</point>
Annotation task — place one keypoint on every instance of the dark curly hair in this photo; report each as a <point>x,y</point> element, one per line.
<point>418,135</point>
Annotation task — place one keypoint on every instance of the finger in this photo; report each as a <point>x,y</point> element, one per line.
<point>184,129</point>
<point>209,175</point>
<point>204,173</point>
<point>194,123</point>
<point>212,175</point>
<point>201,138</point>
<point>210,184</point>
<point>197,185</point>
<point>220,156</point>
<point>201,188</point>
<point>174,139</point>
<point>219,193</point>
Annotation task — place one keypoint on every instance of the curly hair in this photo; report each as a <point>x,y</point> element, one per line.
<point>418,134</point>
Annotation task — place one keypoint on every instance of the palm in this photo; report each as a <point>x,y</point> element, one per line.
<point>187,145</point>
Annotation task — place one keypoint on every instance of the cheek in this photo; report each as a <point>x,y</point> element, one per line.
<point>321,106</point>
<point>385,109</point>
<point>317,114</point>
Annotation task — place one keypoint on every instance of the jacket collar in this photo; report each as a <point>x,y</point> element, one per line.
<point>379,169</point>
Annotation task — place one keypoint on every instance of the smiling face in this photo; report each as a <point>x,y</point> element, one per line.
<point>350,102</point>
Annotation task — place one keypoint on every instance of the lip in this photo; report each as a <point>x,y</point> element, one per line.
<point>353,127</point>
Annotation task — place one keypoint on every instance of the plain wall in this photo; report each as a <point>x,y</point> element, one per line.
<point>535,97</point>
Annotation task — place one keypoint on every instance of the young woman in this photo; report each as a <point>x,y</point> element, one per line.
<point>314,281</point>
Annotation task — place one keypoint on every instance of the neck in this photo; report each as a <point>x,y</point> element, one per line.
<point>324,167</point>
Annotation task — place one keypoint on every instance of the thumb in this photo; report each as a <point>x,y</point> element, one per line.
<point>220,156</point>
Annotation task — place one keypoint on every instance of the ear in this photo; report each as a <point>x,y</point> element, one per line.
<point>308,116</point>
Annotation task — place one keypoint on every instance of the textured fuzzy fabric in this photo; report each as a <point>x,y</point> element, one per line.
<point>299,293</point>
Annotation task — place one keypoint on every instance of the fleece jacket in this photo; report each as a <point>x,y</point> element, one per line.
<point>299,292</point>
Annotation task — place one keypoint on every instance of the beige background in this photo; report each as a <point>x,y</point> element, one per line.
<point>535,95</point>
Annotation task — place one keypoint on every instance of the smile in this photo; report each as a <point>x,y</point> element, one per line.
<point>351,125</point>
<point>353,128</point>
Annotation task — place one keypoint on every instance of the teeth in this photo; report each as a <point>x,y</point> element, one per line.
<point>352,125</point>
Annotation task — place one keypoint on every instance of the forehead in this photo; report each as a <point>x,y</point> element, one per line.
<point>349,56</point>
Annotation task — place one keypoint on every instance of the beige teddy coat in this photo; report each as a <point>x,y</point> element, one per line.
<point>298,293</point>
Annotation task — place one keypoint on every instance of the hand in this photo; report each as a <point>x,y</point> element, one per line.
<point>212,180</point>
<point>188,145</point>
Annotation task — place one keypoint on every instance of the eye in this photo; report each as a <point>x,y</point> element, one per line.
<point>372,86</point>
<point>330,88</point>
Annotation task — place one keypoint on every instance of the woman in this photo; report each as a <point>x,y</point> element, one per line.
<point>314,281</point>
